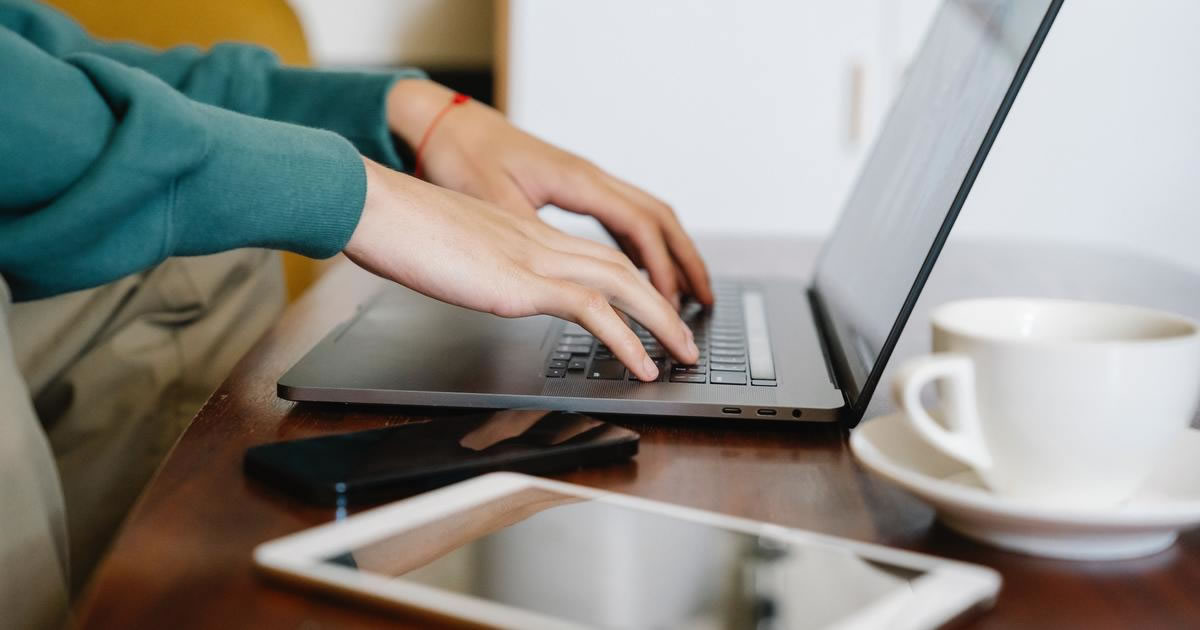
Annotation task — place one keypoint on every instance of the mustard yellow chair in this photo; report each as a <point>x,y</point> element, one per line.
<point>269,23</point>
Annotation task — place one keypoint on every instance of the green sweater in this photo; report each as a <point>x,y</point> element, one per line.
<point>114,157</point>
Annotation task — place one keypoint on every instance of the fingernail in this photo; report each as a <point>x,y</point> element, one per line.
<point>649,367</point>
<point>694,348</point>
<point>688,332</point>
<point>675,300</point>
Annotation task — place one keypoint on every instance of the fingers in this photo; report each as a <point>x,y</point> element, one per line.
<point>683,282</point>
<point>682,248</point>
<point>645,223</point>
<point>590,308</point>
<point>621,286</point>
<point>644,236</point>
<point>568,244</point>
<point>591,195</point>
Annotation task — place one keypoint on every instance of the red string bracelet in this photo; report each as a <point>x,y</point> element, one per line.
<point>458,99</point>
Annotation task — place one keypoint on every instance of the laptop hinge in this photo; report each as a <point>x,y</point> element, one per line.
<point>824,337</point>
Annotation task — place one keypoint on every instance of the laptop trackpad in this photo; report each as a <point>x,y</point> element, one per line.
<point>405,341</point>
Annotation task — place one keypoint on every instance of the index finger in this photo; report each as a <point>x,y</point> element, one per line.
<point>625,289</point>
<point>590,308</point>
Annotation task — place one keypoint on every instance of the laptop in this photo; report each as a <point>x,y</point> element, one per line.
<point>771,349</point>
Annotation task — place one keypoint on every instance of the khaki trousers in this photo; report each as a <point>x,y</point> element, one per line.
<point>95,388</point>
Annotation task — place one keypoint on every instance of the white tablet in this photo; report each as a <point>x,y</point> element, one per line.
<point>515,551</point>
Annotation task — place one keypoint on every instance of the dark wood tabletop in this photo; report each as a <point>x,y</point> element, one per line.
<point>183,558</point>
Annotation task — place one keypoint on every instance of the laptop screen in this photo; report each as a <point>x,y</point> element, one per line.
<point>911,186</point>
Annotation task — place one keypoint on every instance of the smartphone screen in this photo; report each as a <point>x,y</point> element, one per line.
<point>380,463</point>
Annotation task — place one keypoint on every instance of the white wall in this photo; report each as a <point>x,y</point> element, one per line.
<point>737,113</point>
<point>1103,144</point>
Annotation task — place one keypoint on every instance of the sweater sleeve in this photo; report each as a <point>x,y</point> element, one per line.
<point>106,170</point>
<point>238,77</point>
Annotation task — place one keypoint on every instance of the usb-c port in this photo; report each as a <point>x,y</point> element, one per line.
<point>766,412</point>
<point>734,410</point>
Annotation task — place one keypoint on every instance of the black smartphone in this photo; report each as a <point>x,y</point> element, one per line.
<point>369,466</point>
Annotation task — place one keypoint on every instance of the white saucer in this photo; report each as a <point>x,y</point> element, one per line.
<point>1146,524</point>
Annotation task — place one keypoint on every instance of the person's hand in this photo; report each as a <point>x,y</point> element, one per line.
<point>467,252</point>
<point>474,150</point>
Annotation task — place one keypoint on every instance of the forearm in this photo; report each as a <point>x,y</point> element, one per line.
<point>105,171</point>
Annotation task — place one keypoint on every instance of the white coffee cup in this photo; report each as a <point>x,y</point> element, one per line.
<point>1055,401</point>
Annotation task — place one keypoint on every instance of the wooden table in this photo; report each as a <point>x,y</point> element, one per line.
<point>182,559</point>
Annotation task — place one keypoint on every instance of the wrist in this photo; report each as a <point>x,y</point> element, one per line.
<point>412,104</point>
<point>374,201</point>
<point>375,185</point>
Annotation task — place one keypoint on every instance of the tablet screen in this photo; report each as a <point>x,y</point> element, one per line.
<point>611,566</point>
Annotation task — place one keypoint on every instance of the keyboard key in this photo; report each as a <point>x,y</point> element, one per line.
<point>728,367</point>
<point>688,378</point>
<point>555,373</point>
<point>723,357</point>
<point>729,378</point>
<point>604,356</point>
<point>657,354</point>
<point>662,371</point>
<point>762,383</point>
<point>574,349</point>
<point>558,364</point>
<point>762,365</point>
<point>560,356</point>
<point>690,307</point>
<point>688,369</point>
<point>607,370</point>
<point>577,365</point>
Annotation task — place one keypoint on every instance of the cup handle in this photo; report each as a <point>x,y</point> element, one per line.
<point>962,437</point>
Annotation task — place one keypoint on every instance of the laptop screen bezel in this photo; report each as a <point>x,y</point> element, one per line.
<point>858,395</point>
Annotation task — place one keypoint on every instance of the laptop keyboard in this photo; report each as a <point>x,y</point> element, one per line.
<point>734,347</point>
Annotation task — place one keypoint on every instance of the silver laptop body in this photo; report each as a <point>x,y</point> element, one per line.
<point>774,349</point>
